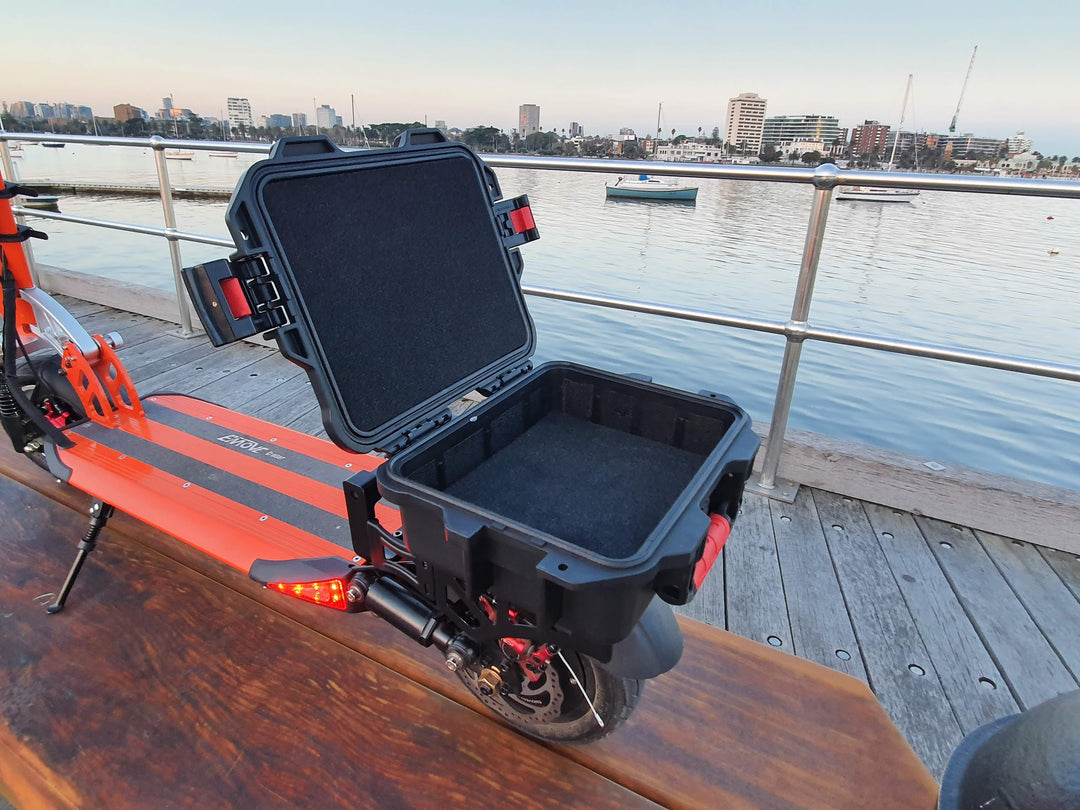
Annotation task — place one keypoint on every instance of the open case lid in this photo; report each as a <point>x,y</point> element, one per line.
<point>391,276</point>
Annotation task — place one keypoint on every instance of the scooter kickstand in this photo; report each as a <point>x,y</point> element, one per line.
<point>100,513</point>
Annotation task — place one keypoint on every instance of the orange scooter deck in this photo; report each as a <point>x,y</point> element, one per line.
<point>233,486</point>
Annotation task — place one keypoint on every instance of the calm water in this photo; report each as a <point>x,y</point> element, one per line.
<point>965,270</point>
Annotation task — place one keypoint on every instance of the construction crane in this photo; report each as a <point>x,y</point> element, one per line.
<point>971,64</point>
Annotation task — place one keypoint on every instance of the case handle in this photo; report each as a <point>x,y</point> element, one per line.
<point>296,146</point>
<point>420,136</point>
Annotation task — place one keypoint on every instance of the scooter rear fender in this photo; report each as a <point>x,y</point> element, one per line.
<point>653,647</point>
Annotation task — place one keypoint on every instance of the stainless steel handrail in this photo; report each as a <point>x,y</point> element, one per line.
<point>796,330</point>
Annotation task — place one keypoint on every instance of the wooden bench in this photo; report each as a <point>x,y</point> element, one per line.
<point>173,680</point>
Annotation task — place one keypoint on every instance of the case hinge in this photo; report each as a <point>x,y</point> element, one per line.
<point>236,298</point>
<point>420,429</point>
<point>504,378</point>
<point>515,221</point>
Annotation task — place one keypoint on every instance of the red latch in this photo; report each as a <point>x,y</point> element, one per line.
<point>522,219</point>
<point>717,537</point>
<point>233,291</point>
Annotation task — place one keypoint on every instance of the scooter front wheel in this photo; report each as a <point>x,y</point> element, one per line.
<point>573,701</point>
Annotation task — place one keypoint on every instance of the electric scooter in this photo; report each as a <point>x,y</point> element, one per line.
<point>535,541</point>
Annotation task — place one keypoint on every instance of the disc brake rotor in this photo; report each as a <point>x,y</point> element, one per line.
<point>539,702</point>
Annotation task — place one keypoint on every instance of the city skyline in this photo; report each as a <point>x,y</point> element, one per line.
<point>607,70</point>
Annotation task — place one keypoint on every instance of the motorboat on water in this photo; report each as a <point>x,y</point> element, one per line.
<point>644,187</point>
<point>224,154</point>
<point>53,145</point>
<point>179,154</point>
<point>876,194</point>
<point>45,202</point>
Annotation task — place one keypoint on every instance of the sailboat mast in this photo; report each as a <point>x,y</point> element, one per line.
<point>903,109</point>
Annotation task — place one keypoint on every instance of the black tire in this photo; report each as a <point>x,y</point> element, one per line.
<point>571,721</point>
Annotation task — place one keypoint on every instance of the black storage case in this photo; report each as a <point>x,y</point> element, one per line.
<point>391,276</point>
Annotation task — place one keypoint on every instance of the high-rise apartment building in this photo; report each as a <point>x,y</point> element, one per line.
<point>528,119</point>
<point>239,113</point>
<point>1018,144</point>
<point>327,117</point>
<point>869,138</point>
<point>745,122</point>
<point>576,130</point>
<point>784,129</point>
<point>299,120</point>
<point>21,109</point>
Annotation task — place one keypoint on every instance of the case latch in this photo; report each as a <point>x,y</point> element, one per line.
<point>515,220</point>
<point>235,298</point>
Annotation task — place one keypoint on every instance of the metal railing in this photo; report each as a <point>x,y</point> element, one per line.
<point>796,331</point>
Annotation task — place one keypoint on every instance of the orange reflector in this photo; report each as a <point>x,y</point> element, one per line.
<point>328,593</point>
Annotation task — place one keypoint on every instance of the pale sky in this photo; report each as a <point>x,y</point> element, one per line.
<point>604,64</point>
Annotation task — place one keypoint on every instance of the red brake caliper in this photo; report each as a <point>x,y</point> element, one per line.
<point>531,658</point>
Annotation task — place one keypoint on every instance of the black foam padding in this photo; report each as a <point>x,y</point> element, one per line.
<point>406,283</point>
<point>594,487</point>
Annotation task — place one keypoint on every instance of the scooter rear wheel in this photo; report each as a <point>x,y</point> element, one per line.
<point>554,709</point>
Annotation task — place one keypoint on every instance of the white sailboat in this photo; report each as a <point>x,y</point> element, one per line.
<point>644,187</point>
<point>881,193</point>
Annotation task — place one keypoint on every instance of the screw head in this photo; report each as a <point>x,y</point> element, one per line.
<point>454,661</point>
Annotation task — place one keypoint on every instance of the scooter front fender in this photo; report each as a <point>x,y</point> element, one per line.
<point>653,647</point>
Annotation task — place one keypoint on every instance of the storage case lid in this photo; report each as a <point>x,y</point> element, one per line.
<point>397,271</point>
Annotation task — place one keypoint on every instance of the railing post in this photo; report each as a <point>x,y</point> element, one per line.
<point>12,176</point>
<point>766,482</point>
<point>170,226</point>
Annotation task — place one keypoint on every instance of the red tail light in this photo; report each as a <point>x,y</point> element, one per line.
<point>328,592</point>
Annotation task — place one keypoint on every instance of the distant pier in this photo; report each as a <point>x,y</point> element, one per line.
<point>129,189</point>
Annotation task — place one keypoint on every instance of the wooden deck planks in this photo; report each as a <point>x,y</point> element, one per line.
<point>820,626</point>
<point>1031,667</point>
<point>1066,566</point>
<point>975,687</point>
<point>1048,601</point>
<point>899,669</point>
<point>756,605</point>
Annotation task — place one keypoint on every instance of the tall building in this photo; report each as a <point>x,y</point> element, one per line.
<point>238,111</point>
<point>1018,144</point>
<point>21,109</point>
<point>528,119</point>
<point>327,117</point>
<point>576,130</point>
<point>745,122</point>
<point>784,129</point>
<point>869,138</point>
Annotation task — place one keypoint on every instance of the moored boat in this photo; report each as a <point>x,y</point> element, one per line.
<point>179,154</point>
<point>224,154</point>
<point>53,145</point>
<point>47,202</point>
<point>650,188</point>
<point>876,194</point>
